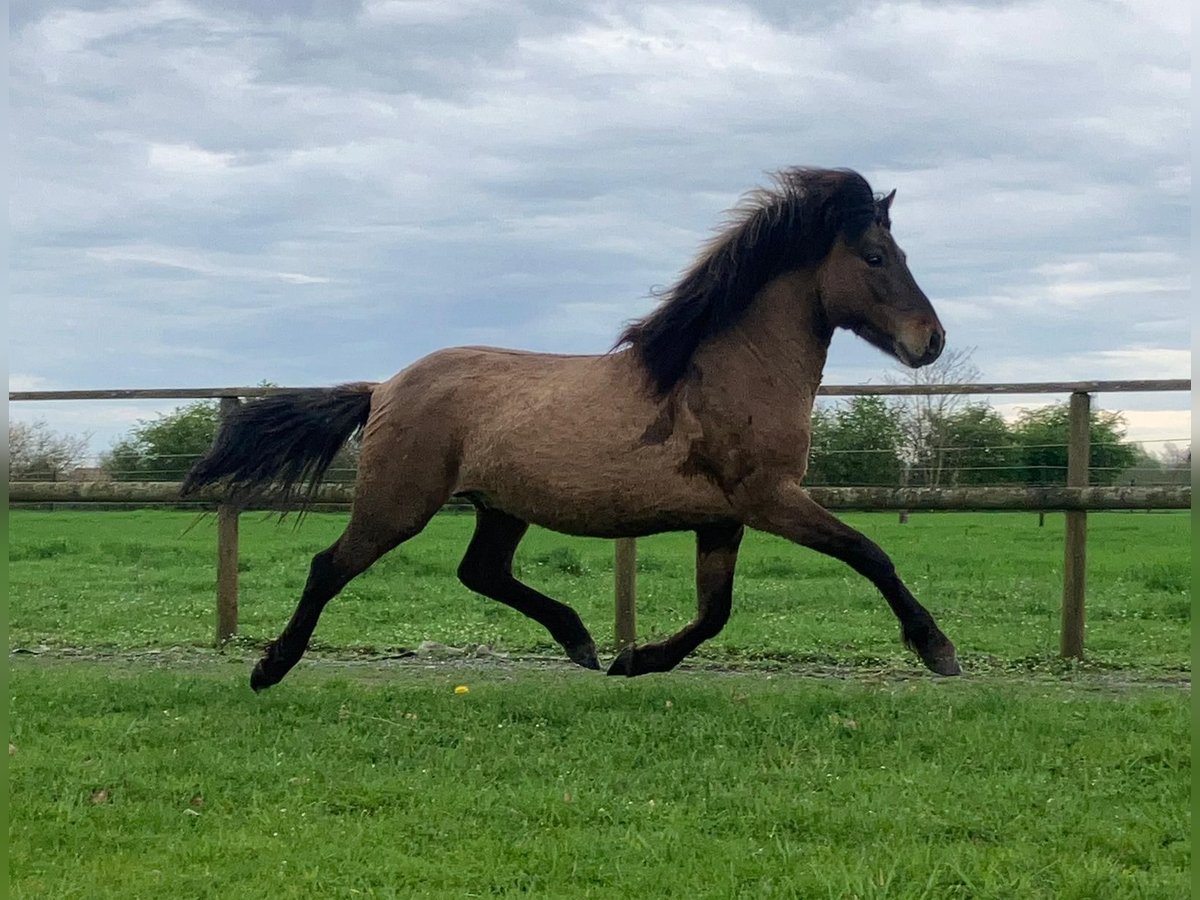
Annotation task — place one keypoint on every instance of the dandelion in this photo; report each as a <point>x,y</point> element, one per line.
<point>462,689</point>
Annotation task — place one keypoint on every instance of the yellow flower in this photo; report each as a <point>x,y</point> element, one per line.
<point>462,689</point>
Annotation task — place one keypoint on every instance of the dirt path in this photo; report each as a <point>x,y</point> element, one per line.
<point>481,660</point>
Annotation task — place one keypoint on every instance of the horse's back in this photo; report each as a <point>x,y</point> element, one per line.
<point>553,439</point>
<point>467,386</point>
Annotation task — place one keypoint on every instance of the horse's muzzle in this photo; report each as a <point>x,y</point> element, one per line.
<point>937,342</point>
<point>914,355</point>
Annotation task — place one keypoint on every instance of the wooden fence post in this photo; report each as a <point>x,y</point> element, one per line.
<point>1075,551</point>
<point>625,582</point>
<point>227,556</point>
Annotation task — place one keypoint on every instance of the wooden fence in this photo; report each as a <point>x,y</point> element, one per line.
<point>1076,498</point>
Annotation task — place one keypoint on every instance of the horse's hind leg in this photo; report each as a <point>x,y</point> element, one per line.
<point>716,557</point>
<point>380,520</point>
<point>487,569</point>
<point>331,570</point>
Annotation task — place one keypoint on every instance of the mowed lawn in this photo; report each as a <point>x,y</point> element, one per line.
<point>384,781</point>
<point>994,582</point>
<point>364,777</point>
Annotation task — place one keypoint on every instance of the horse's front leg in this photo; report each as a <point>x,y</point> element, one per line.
<point>716,556</point>
<point>789,512</point>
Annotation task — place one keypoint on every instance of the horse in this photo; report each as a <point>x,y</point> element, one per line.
<point>698,419</point>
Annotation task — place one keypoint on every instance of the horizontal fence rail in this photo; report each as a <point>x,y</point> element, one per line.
<point>1076,498</point>
<point>1047,497</point>
<point>828,390</point>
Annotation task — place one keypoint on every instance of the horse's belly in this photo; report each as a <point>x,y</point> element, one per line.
<point>637,493</point>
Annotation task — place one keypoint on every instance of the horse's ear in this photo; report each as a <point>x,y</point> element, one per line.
<point>883,207</point>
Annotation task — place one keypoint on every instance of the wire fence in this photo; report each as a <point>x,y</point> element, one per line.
<point>1054,483</point>
<point>948,472</point>
<point>1005,462</point>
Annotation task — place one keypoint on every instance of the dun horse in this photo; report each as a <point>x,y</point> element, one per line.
<point>697,420</point>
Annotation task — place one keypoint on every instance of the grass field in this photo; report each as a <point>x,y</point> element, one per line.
<point>994,581</point>
<point>128,782</point>
<point>142,766</point>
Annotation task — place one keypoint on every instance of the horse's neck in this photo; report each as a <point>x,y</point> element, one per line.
<point>776,353</point>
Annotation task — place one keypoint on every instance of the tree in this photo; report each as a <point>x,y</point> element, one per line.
<point>38,453</point>
<point>974,445</point>
<point>1043,433</point>
<point>165,448</point>
<point>1172,466</point>
<point>855,443</point>
<point>921,416</point>
<point>1177,463</point>
<point>1176,457</point>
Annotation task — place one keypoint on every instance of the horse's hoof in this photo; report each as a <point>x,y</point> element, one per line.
<point>584,655</point>
<point>946,667</point>
<point>943,662</point>
<point>623,664</point>
<point>259,680</point>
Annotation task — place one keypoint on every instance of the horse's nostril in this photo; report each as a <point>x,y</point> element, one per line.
<point>935,344</point>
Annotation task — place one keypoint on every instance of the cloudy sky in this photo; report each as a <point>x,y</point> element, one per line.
<point>219,193</point>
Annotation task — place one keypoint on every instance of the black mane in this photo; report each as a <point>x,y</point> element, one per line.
<point>773,230</point>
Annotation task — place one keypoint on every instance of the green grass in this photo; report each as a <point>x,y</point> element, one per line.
<point>374,779</point>
<point>142,579</point>
<point>129,782</point>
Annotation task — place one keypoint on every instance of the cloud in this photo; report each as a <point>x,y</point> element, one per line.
<point>187,261</point>
<point>1155,428</point>
<point>1126,363</point>
<point>307,193</point>
<point>18,381</point>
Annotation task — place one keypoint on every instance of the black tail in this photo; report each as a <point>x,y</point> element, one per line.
<point>283,442</point>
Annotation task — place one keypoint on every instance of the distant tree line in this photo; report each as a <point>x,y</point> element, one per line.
<point>944,440</point>
<point>38,453</point>
<point>870,441</point>
<point>865,440</point>
<point>165,448</point>
<point>161,449</point>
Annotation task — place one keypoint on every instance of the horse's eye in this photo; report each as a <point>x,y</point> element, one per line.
<point>874,260</point>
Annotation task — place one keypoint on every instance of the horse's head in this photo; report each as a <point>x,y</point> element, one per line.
<point>865,286</point>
